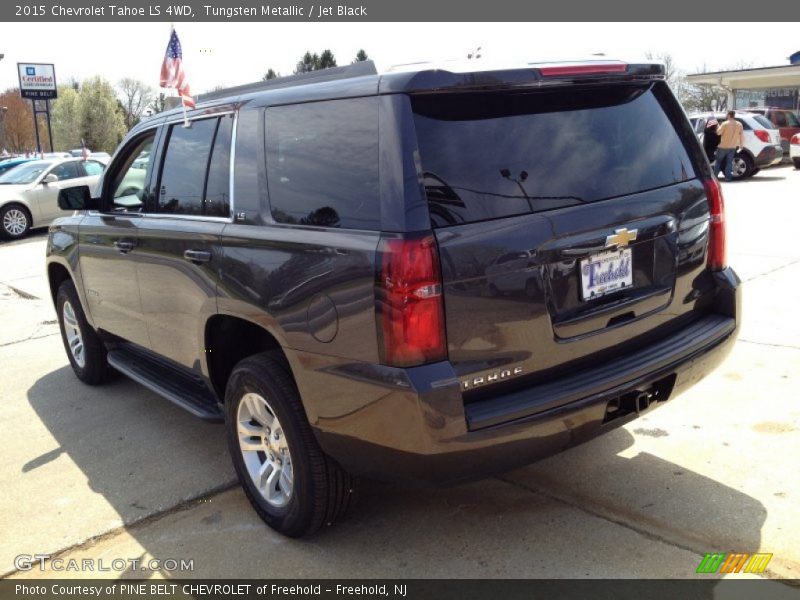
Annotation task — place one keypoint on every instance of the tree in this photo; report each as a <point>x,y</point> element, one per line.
<point>159,104</point>
<point>675,78</point>
<point>17,122</point>
<point>270,74</point>
<point>315,62</point>
<point>361,56</point>
<point>66,119</point>
<point>102,122</point>
<point>135,96</point>
<point>326,60</point>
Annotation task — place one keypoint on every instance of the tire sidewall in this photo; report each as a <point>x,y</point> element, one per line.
<point>25,211</point>
<point>286,518</point>
<point>67,293</point>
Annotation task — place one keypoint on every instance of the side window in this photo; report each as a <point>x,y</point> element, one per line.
<point>92,168</point>
<point>129,178</point>
<point>322,163</point>
<point>67,170</point>
<point>779,119</point>
<point>192,159</point>
<point>217,196</point>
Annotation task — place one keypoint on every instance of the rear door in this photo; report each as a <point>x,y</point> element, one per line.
<point>179,236</point>
<point>574,225</point>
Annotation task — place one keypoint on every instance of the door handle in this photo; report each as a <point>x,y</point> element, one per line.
<point>197,256</point>
<point>124,246</point>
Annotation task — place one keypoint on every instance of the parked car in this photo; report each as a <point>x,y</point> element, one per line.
<point>762,142</point>
<point>280,268</point>
<point>10,163</point>
<point>29,192</point>
<point>794,150</point>
<point>784,120</point>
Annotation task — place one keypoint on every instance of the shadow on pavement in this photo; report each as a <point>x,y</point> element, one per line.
<point>140,452</point>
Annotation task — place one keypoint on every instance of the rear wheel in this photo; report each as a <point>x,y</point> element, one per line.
<point>85,350</point>
<point>16,221</point>
<point>293,486</point>
<point>796,162</point>
<point>742,166</point>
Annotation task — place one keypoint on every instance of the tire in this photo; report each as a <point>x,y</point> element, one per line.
<point>15,221</point>
<point>755,171</point>
<point>742,166</point>
<point>796,162</point>
<point>91,362</point>
<point>309,488</point>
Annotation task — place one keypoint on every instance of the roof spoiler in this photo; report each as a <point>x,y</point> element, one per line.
<point>533,76</point>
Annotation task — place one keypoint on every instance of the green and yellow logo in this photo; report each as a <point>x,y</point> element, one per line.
<point>734,562</point>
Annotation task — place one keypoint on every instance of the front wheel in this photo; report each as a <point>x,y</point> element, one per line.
<point>293,486</point>
<point>85,350</point>
<point>16,221</point>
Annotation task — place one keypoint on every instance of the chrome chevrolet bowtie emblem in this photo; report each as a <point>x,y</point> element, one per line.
<point>621,237</point>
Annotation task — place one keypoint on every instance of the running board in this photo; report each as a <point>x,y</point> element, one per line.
<point>188,392</point>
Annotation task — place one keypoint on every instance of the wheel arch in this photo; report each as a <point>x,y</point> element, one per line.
<point>230,339</point>
<point>56,275</point>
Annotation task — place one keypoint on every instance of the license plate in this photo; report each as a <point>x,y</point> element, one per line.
<point>606,272</point>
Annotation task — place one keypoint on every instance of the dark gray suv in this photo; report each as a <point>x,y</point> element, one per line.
<point>423,276</point>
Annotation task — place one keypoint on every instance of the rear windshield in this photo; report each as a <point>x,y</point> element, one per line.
<point>764,122</point>
<point>486,156</point>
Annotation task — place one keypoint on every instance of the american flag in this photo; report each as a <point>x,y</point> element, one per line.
<point>172,75</point>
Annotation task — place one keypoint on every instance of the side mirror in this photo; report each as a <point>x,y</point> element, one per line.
<point>76,198</point>
<point>50,179</point>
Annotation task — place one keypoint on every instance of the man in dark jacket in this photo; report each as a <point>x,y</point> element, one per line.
<point>711,139</point>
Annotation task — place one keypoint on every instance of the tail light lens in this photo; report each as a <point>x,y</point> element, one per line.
<point>762,134</point>
<point>716,240</point>
<point>409,301</point>
<point>796,139</point>
<point>587,69</point>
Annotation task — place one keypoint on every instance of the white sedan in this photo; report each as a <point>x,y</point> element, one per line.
<point>29,192</point>
<point>794,150</point>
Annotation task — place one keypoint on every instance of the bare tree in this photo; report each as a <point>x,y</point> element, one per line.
<point>676,79</point>
<point>136,96</point>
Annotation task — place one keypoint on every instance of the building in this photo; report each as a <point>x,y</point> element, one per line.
<point>777,87</point>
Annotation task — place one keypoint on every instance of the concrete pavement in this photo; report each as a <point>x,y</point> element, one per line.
<point>117,472</point>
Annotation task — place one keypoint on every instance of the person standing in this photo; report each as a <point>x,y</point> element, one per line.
<point>731,140</point>
<point>711,140</point>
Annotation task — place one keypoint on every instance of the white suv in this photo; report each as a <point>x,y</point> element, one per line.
<point>762,142</point>
<point>794,150</point>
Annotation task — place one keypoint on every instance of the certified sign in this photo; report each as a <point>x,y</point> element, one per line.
<point>37,81</point>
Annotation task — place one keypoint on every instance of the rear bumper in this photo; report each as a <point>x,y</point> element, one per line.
<point>411,424</point>
<point>769,155</point>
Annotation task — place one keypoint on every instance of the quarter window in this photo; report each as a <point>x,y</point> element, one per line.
<point>322,163</point>
<point>92,168</point>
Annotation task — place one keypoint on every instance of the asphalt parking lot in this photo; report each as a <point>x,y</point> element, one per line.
<point>117,472</point>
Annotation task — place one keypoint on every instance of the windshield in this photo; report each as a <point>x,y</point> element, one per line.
<point>25,173</point>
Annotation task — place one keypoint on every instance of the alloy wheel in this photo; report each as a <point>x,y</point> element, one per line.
<point>15,222</point>
<point>72,329</point>
<point>264,449</point>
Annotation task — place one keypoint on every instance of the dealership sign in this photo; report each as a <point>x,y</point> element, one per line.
<point>37,81</point>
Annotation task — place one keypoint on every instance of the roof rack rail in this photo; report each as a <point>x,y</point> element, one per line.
<point>358,69</point>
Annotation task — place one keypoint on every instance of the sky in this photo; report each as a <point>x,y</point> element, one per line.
<point>226,54</point>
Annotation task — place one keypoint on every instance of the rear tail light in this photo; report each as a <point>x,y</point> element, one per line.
<point>762,134</point>
<point>409,301</point>
<point>796,139</point>
<point>716,239</point>
<point>590,69</point>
